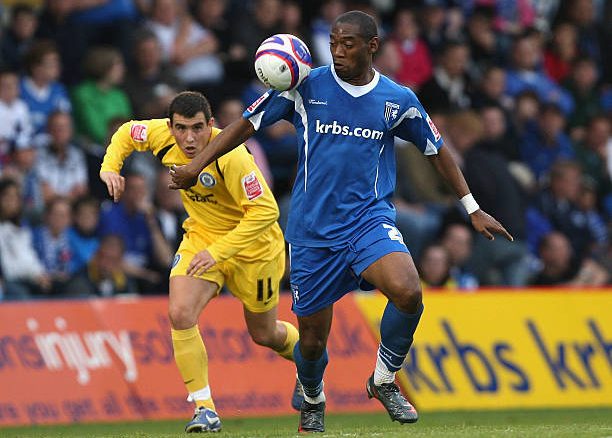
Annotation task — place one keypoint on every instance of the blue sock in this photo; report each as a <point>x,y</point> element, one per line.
<point>396,331</point>
<point>310,372</point>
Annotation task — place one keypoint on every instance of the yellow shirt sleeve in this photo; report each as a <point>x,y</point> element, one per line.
<point>135,135</point>
<point>249,190</point>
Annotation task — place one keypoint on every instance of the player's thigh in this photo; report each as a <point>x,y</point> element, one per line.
<point>382,259</point>
<point>190,294</point>
<point>188,297</point>
<point>256,284</point>
<point>319,278</point>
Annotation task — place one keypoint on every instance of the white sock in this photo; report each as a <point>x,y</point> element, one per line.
<point>382,373</point>
<point>315,400</point>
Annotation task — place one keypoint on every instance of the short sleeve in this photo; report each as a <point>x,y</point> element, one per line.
<point>269,108</point>
<point>415,126</point>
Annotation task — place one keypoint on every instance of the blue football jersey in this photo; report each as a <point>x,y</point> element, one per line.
<point>346,162</point>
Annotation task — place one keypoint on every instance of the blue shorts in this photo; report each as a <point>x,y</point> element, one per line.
<point>321,276</point>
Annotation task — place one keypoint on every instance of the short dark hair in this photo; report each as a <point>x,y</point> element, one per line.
<point>37,52</point>
<point>365,23</point>
<point>188,104</point>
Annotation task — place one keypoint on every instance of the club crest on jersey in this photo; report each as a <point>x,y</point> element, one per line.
<point>138,132</point>
<point>259,100</point>
<point>207,180</point>
<point>391,111</point>
<point>177,258</point>
<point>433,128</point>
<point>252,187</point>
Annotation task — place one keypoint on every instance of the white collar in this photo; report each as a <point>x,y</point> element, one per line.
<point>356,90</point>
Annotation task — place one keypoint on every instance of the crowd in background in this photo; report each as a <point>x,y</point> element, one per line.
<point>521,92</point>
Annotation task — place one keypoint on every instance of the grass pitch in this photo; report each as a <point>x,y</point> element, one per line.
<point>516,423</point>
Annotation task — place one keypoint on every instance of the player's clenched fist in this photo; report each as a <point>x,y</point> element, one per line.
<point>201,263</point>
<point>115,184</point>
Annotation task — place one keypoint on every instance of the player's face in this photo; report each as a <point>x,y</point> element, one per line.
<point>352,54</point>
<point>191,134</point>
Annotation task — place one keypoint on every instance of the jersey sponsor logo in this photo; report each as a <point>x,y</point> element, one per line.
<point>433,128</point>
<point>252,187</point>
<point>138,132</point>
<point>177,258</point>
<point>317,102</point>
<point>207,180</point>
<point>337,129</point>
<point>196,197</point>
<point>391,111</point>
<point>259,100</point>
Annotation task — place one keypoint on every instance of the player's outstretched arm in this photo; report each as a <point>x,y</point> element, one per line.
<point>482,222</point>
<point>231,137</point>
<point>115,184</point>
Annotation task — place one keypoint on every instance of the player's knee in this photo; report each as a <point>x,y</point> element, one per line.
<point>312,348</point>
<point>182,317</point>
<point>265,338</point>
<point>409,298</point>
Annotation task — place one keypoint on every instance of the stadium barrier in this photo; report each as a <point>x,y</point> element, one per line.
<point>111,360</point>
<point>508,349</point>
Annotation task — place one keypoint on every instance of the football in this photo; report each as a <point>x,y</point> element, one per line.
<point>282,62</point>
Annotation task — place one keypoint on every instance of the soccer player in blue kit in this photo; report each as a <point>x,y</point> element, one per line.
<point>341,229</point>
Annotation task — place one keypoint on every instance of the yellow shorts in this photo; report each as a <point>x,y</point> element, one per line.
<point>256,284</point>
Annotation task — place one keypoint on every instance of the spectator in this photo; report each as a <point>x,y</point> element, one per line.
<point>582,85</point>
<point>52,244</point>
<point>24,163</point>
<point>545,141</point>
<point>416,66</point>
<point>563,49</point>
<point>434,268</point>
<point>15,129</point>
<point>594,154</point>
<point>23,272</point>
<point>16,41</point>
<point>152,83</point>
<point>559,267</point>
<point>133,219</point>
<point>40,88</point>
<point>556,208</point>
<point>83,235</point>
<point>169,210</point>
<point>448,89</point>
<point>485,45</point>
<point>98,100</point>
<point>524,74</point>
<point>488,176</point>
<point>457,241</point>
<point>321,28</point>
<point>387,60</point>
<point>492,89</point>
<point>185,44</point>
<point>60,164</point>
<point>104,275</point>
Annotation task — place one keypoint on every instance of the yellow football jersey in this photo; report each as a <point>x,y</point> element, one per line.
<point>231,207</point>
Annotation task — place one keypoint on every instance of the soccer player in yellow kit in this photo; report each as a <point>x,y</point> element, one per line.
<point>231,236</point>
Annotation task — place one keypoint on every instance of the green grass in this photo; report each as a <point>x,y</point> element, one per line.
<point>517,423</point>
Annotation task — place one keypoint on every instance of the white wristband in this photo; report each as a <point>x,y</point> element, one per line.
<point>469,203</point>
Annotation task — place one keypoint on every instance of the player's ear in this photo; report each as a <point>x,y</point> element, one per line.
<point>211,122</point>
<point>169,122</point>
<point>373,45</point>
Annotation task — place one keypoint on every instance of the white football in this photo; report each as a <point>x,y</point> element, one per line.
<point>282,62</point>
